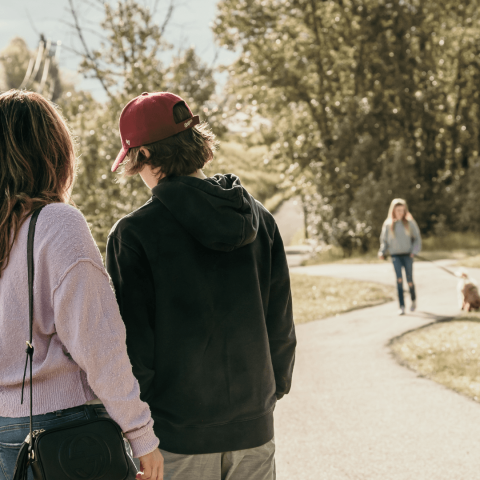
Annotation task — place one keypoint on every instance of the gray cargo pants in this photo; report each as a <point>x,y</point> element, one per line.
<point>251,464</point>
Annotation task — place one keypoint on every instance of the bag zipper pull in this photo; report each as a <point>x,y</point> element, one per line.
<point>35,433</point>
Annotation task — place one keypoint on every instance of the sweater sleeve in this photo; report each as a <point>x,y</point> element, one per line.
<point>134,288</point>
<point>280,326</point>
<point>88,323</point>
<point>383,240</point>
<point>416,237</point>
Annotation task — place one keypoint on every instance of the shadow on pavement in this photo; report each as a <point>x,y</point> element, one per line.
<point>432,316</point>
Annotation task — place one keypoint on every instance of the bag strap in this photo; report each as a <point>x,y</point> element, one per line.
<point>31,273</point>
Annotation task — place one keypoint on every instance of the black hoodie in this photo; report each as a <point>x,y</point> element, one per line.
<point>202,282</point>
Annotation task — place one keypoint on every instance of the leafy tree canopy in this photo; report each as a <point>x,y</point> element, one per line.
<point>368,100</point>
<point>133,57</point>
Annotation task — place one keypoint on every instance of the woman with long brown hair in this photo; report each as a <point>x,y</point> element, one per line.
<point>80,367</point>
<point>401,238</point>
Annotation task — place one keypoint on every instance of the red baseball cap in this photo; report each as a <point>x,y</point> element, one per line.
<point>149,118</point>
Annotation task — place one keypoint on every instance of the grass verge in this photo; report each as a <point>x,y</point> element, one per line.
<point>452,241</point>
<point>319,297</point>
<point>471,262</point>
<point>446,352</point>
<point>334,254</point>
<point>466,257</point>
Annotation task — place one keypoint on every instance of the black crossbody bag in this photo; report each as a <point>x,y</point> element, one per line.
<point>80,450</point>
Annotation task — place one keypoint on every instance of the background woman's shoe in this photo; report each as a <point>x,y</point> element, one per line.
<point>413,306</point>
<point>401,311</point>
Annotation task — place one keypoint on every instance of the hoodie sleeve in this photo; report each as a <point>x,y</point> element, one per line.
<point>133,285</point>
<point>280,326</point>
<point>383,240</point>
<point>416,237</point>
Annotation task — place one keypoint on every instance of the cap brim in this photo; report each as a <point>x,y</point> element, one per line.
<point>120,157</point>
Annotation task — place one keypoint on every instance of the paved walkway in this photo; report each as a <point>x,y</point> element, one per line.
<point>289,218</point>
<point>355,413</point>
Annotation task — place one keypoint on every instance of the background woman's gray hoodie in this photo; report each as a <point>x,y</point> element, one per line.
<point>402,242</point>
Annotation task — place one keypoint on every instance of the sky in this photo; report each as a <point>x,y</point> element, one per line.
<point>190,25</point>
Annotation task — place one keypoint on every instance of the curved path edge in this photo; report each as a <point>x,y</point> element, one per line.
<point>355,413</point>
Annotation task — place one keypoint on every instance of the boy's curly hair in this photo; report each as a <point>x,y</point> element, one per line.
<point>181,154</point>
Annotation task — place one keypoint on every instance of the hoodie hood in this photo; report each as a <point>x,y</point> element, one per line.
<point>217,211</point>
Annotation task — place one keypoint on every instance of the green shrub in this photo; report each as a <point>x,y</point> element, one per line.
<point>452,241</point>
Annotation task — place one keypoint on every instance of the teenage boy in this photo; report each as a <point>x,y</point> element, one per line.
<point>202,282</point>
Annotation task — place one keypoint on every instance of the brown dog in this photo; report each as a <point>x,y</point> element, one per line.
<point>469,296</point>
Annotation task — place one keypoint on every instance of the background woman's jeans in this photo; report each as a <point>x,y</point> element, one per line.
<point>405,261</point>
<point>13,432</point>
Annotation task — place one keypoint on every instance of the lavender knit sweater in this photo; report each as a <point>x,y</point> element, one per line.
<point>78,334</point>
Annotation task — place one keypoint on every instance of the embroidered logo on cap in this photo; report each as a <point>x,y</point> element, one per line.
<point>127,142</point>
<point>186,124</point>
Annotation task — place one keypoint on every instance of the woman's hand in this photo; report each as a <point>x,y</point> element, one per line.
<point>412,255</point>
<point>381,257</point>
<point>151,466</point>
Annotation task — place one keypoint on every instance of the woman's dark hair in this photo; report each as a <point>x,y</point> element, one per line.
<point>181,154</point>
<point>37,159</point>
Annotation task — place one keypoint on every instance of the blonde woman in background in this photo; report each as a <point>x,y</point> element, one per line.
<point>401,238</point>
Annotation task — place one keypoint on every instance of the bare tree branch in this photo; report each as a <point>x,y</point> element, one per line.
<point>168,16</point>
<point>215,58</point>
<point>87,52</point>
<point>31,22</point>
<point>155,6</point>
<point>94,4</point>
<point>88,30</point>
<point>126,60</point>
<point>80,54</point>
<point>73,50</point>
